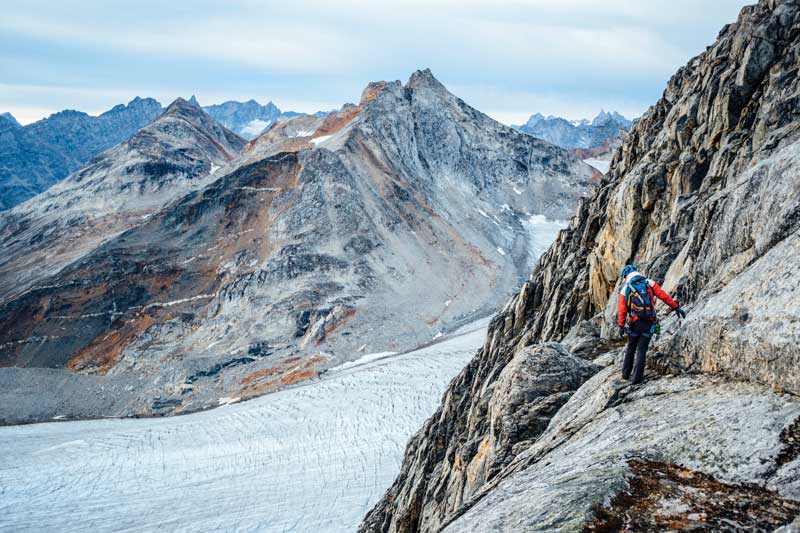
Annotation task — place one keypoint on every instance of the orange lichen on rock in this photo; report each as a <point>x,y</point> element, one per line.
<point>291,374</point>
<point>255,376</point>
<point>337,120</point>
<point>338,321</point>
<point>100,355</point>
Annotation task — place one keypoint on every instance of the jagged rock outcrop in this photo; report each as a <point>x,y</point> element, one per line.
<point>705,195</point>
<point>36,156</point>
<point>311,247</point>
<point>478,430</point>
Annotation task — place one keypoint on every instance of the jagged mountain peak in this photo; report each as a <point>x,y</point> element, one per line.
<point>180,105</point>
<point>424,78</point>
<point>10,118</point>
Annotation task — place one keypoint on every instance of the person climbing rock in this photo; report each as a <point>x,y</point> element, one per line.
<point>637,303</point>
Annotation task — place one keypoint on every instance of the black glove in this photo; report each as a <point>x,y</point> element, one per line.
<point>622,331</point>
<point>680,312</point>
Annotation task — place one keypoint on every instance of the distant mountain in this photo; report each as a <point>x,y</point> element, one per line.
<point>248,119</point>
<point>117,190</point>
<point>10,117</point>
<point>234,273</point>
<point>27,165</point>
<point>577,134</point>
<point>34,157</point>
<point>47,151</point>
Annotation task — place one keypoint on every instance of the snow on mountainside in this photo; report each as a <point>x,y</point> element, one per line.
<point>594,142</point>
<point>325,236</point>
<point>540,432</point>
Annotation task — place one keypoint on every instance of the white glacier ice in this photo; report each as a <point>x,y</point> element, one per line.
<point>312,458</point>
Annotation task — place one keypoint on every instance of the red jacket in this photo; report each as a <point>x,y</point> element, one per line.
<point>652,287</point>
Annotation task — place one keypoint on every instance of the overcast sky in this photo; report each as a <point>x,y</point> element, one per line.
<point>508,59</point>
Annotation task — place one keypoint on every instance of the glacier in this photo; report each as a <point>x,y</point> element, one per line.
<point>311,458</point>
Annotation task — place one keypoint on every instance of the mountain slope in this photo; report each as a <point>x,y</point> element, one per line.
<point>46,151</point>
<point>119,189</point>
<point>704,195</point>
<point>360,238</point>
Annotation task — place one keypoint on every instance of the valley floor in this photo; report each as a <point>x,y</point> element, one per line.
<point>312,458</point>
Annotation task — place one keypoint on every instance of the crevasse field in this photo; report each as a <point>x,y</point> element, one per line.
<point>311,458</point>
<point>314,458</point>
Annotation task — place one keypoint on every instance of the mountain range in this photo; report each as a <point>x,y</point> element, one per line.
<point>248,119</point>
<point>590,140</point>
<point>186,266</point>
<point>34,157</point>
<point>540,432</point>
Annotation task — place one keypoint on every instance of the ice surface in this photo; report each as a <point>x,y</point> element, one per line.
<point>364,359</point>
<point>543,232</point>
<point>312,458</point>
<point>600,164</point>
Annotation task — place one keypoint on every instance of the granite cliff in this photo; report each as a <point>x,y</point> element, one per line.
<point>540,433</point>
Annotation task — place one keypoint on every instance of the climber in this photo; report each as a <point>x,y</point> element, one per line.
<point>637,301</point>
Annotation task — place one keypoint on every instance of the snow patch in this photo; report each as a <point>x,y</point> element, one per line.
<point>255,127</point>
<point>364,359</point>
<point>225,400</point>
<point>501,251</point>
<point>321,139</point>
<point>600,164</point>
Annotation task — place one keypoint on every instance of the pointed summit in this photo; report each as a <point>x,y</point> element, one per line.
<point>181,107</point>
<point>9,117</point>
<point>424,78</point>
<point>194,102</point>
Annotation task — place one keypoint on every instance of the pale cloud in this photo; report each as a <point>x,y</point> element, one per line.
<point>566,57</point>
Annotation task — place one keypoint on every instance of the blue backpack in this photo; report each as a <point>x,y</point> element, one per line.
<point>640,300</point>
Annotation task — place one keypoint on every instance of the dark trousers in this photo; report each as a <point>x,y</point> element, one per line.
<point>639,334</point>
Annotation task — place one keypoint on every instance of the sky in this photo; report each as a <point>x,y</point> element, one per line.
<point>509,59</point>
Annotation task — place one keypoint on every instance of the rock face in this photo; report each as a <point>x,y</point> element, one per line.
<point>604,130</point>
<point>308,248</point>
<point>248,119</point>
<point>36,156</point>
<point>704,194</point>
